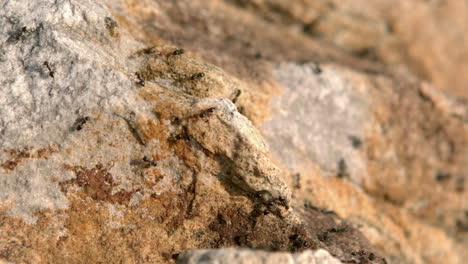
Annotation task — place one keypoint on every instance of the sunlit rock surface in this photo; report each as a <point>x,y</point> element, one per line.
<point>135,131</point>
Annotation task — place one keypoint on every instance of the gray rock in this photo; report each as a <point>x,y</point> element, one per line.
<point>317,117</point>
<point>58,62</point>
<point>248,256</point>
<point>65,65</point>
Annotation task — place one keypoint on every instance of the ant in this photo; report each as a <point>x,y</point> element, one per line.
<point>342,169</point>
<point>207,111</point>
<point>141,81</point>
<point>236,96</point>
<point>198,75</point>
<point>79,123</point>
<point>49,68</point>
<point>178,52</point>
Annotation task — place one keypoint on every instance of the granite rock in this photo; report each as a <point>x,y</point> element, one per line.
<point>135,131</point>
<point>232,255</point>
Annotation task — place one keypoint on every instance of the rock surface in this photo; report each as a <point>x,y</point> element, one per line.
<point>246,256</point>
<point>133,131</point>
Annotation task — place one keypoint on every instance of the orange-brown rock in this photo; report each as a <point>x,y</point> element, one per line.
<point>135,131</point>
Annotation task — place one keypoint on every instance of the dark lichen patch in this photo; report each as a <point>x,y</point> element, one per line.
<point>337,236</point>
<point>96,183</point>
<point>233,227</point>
<point>255,229</point>
<point>175,208</point>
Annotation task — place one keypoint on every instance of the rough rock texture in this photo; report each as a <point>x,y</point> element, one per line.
<point>133,131</point>
<point>423,37</point>
<point>246,256</point>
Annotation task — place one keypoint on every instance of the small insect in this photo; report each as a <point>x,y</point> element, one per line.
<point>356,142</point>
<point>337,230</point>
<point>441,176</point>
<point>237,240</point>
<point>460,185</point>
<point>282,201</point>
<point>461,225</point>
<point>151,51</point>
<point>207,112</point>
<point>178,52</point>
<point>181,136</point>
<point>49,68</point>
<point>149,162</point>
<point>360,253</point>
<point>175,120</point>
<point>294,236</point>
<point>362,260</point>
<point>111,26</point>
<point>198,76</point>
<point>236,96</point>
<point>342,169</point>
<point>327,211</point>
<point>308,205</point>
<point>17,35</point>
<point>323,237</point>
<point>141,81</point>
<point>266,212</point>
<point>79,123</point>
<point>317,69</point>
<point>297,180</point>
<point>148,51</point>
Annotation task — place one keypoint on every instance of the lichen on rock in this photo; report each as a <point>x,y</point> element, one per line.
<point>141,131</point>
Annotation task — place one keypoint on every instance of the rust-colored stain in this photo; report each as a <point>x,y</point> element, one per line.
<point>18,155</point>
<point>97,183</point>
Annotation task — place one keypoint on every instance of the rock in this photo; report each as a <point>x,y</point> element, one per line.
<point>400,33</point>
<point>324,117</point>
<point>343,118</point>
<point>135,131</point>
<point>232,255</point>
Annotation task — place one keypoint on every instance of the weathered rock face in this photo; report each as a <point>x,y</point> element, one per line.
<point>231,255</point>
<point>133,131</point>
<point>423,37</point>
